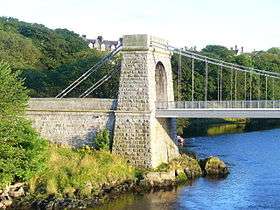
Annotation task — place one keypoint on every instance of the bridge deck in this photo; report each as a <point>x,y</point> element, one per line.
<point>218,113</point>
<point>219,109</point>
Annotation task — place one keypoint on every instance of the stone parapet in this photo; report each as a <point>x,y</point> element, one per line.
<point>71,121</point>
<point>71,104</point>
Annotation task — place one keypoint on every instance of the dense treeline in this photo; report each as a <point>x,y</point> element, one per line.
<point>265,60</point>
<point>51,59</point>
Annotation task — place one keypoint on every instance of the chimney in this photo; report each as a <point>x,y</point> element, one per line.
<point>236,49</point>
<point>121,40</point>
<point>100,38</point>
<point>84,37</point>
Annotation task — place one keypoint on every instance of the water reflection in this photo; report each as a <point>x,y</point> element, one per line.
<point>226,128</point>
<point>160,200</point>
<point>212,127</point>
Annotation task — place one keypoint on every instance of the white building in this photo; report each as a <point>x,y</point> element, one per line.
<point>101,44</point>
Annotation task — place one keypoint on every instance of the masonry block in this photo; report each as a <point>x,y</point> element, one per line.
<point>146,78</point>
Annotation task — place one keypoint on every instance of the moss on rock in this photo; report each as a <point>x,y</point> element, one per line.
<point>185,168</point>
<point>214,167</point>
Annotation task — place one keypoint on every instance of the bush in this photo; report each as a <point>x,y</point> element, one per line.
<point>102,140</point>
<point>22,151</point>
<point>12,93</point>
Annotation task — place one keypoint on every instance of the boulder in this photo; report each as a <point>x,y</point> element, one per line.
<point>214,167</point>
<point>189,165</point>
<point>191,174</point>
<point>5,201</point>
<point>15,193</point>
<point>159,179</point>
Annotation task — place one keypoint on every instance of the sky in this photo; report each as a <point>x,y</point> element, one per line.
<point>253,24</point>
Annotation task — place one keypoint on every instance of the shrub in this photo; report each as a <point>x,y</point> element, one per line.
<point>12,93</point>
<point>22,151</point>
<point>102,140</point>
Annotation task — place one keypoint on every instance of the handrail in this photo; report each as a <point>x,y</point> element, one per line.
<point>262,104</point>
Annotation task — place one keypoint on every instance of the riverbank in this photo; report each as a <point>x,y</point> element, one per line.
<point>189,128</point>
<point>73,174</point>
<point>81,178</point>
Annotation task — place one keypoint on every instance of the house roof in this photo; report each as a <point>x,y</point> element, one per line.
<point>106,42</point>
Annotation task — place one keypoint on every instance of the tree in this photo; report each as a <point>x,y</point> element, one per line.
<point>18,51</point>
<point>22,150</point>
<point>12,93</point>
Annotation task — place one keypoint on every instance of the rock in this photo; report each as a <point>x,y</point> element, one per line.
<point>159,179</point>
<point>189,173</point>
<point>17,192</point>
<point>214,167</point>
<point>16,186</point>
<point>190,166</point>
<point>7,203</point>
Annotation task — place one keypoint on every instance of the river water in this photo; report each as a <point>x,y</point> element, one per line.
<point>254,181</point>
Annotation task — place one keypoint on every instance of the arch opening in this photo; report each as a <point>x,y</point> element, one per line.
<point>161,83</point>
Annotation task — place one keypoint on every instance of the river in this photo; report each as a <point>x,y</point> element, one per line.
<point>254,181</point>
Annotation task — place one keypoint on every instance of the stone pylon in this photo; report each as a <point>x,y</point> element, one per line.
<point>146,78</point>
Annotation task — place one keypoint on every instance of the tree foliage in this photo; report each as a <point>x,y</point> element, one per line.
<point>18,51</point>
<point>12,93</point>
<point>22,151</point>
<point>51,59</point>
<point>265,60</point>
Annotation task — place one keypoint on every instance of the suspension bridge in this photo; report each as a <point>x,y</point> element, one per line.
<point>233,108</point>
<point>142,120</point>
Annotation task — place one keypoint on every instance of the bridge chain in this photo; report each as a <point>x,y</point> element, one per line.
<point>223,64</point>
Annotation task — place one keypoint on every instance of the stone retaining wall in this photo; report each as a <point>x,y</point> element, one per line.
<point>71,122</point>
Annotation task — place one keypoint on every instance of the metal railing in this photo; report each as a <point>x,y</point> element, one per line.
<point>269,104</point>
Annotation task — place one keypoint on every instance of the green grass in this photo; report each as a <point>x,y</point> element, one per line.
<point>80,172</point>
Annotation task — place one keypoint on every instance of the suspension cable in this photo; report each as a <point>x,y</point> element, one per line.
<point>85,75</point>
<point>236,67</point>
<point>206,81</point>
<point>245,86</point>
<point>192,79</point>
<point>266,94</point>
<point>221,85</point>
<point>202,57</point>
<point>251,79</point>
<point>231,84</point>
<point>100,82</point>
<point>179,76</point>
<point>228,66</point>
<point>218,85</point>
<point>259,89</point>
<point>273,97</point>
<point>235,86</point>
